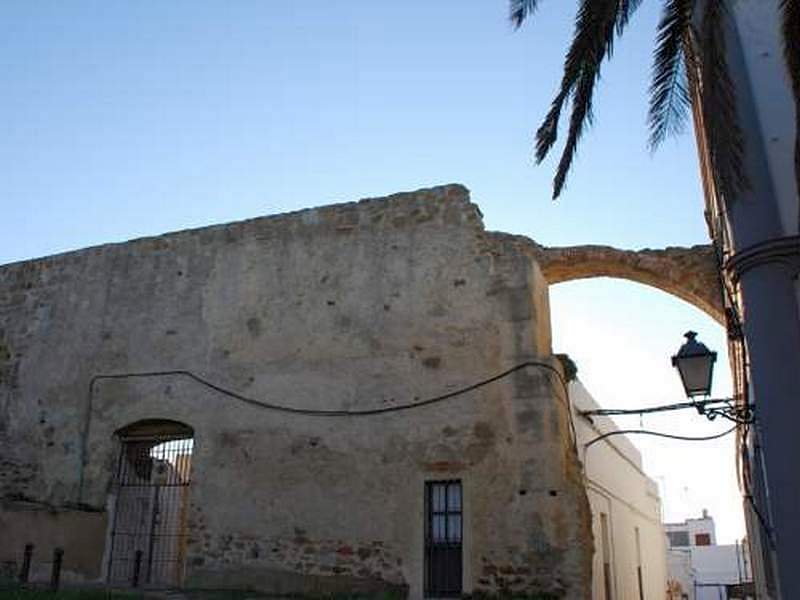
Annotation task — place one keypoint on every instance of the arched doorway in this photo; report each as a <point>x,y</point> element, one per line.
<point>151,491</point>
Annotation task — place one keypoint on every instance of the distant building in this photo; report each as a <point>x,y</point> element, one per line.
<point>692,532</point>
<point>699,569</point>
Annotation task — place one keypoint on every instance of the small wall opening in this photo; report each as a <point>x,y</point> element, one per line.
<point>150,506</point>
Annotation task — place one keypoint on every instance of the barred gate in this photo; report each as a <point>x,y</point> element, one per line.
<point>148,534</point>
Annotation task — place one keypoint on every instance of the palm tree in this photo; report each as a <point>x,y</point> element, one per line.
<point>689,63</point>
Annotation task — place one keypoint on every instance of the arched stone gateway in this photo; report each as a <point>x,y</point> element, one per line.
<point>691,274</point>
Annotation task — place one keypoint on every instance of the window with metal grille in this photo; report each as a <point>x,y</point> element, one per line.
<point>678,539</point>
<point>443,538</point>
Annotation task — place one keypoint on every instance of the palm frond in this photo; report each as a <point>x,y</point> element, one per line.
<point>547,134</point>
<point>790,24</point>
<point>580,118</point>
<point>519,10</point>
<point>726,142</point>
<point>592,42</point>
<point>626,10</point>
<point>588,47</point>
<point>669,93</point>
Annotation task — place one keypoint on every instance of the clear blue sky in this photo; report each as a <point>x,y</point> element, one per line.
<point>123,119</point>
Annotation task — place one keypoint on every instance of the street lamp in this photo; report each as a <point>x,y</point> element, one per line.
<point>695,363</point>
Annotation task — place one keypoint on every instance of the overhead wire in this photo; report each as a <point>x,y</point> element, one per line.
<point>741,359</point>
<point>332,412</point>
<point>726,408</point>
<point>748,491</point>
<point>686,438</point>
<point>314,412</point>
<point>638,411</point>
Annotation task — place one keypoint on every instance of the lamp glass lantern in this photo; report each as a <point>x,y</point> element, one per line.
<point>695,363</point>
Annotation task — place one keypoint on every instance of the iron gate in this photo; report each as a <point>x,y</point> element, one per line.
<point>148,535</point>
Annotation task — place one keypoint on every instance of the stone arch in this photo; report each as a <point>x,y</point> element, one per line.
<point>691,274</point>
<point>156,428</point>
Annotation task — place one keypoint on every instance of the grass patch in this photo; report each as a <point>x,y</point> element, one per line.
<point>221,595</point>
<point>253,595</point>
<point>22,593</point>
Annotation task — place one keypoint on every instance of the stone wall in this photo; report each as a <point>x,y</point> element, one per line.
<point>83,532</point>
<point>691,274</point>
<point>350,307</point>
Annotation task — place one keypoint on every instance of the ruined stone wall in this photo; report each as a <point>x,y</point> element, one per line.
<point>354,306</point>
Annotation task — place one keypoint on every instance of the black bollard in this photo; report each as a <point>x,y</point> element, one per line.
<point>137,567</point>
<point>55,574</point>
<point>26,564</point>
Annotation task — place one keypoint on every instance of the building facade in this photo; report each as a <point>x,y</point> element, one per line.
<point>630,552</point>
<point>702,570</point>
<point>359,397</point>
<point>692,532</point>
<point>755,231</point>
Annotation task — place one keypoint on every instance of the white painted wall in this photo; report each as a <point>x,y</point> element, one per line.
<point>620,489</point>
<point>703,571</point>
<point>679,569</point>
<point>718,565</point>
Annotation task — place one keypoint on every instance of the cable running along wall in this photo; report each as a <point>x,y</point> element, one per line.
<point>308,411</point>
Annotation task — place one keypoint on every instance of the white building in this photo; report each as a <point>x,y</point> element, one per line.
<point>699,569</point>
<point>630,549</point>
<point>692,532</point>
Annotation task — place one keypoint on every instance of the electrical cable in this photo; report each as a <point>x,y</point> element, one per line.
<point>639,411</point>
<point>660,434</point>
<point>734,321</point>
<point>309,411</point>
<point>712,408</point>
<point>748,491</point>
<point>334,412</point>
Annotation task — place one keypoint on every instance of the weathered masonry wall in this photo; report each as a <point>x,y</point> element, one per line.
<point>355,306</point>
<point>691,274</point>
